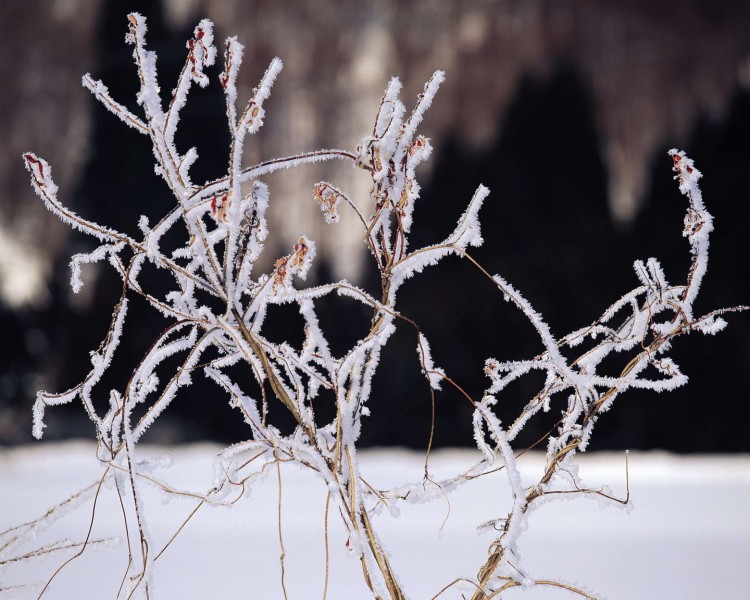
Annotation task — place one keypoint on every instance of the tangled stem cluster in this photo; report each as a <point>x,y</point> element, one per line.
<point>216,308</point>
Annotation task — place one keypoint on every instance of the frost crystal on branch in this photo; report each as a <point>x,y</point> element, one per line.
<point>224,230</point>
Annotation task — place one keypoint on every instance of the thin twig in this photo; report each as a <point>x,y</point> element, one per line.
<point>86,540</point>
<point>282,554</point>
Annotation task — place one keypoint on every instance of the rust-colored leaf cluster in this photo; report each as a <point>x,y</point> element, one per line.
<point>32,160</point>
<point>328,199</point>
<point>193,43</point>
<point>219,206</point>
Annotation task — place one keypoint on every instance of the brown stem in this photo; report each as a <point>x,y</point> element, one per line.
<point>385,568</point>
<point>273,379</point>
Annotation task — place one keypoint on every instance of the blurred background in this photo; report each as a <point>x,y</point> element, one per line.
<point>565,109</point>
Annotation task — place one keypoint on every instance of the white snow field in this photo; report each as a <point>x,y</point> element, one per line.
<point>686,537</point>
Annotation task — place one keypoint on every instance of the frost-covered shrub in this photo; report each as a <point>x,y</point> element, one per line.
<point>216,308</point>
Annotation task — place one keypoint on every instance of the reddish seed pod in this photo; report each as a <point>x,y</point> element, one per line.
<point>30,159</point>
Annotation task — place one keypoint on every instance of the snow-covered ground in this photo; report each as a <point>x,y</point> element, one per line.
<point>686,537</point>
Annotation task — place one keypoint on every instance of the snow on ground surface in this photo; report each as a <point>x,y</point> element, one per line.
<point>686,537</point>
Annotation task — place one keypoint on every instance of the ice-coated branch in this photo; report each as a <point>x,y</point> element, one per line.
<point>201,54</point>
<point>100,361</point>
<point>101,93</point>
<point>44,186</point>
<point>590,393</point>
